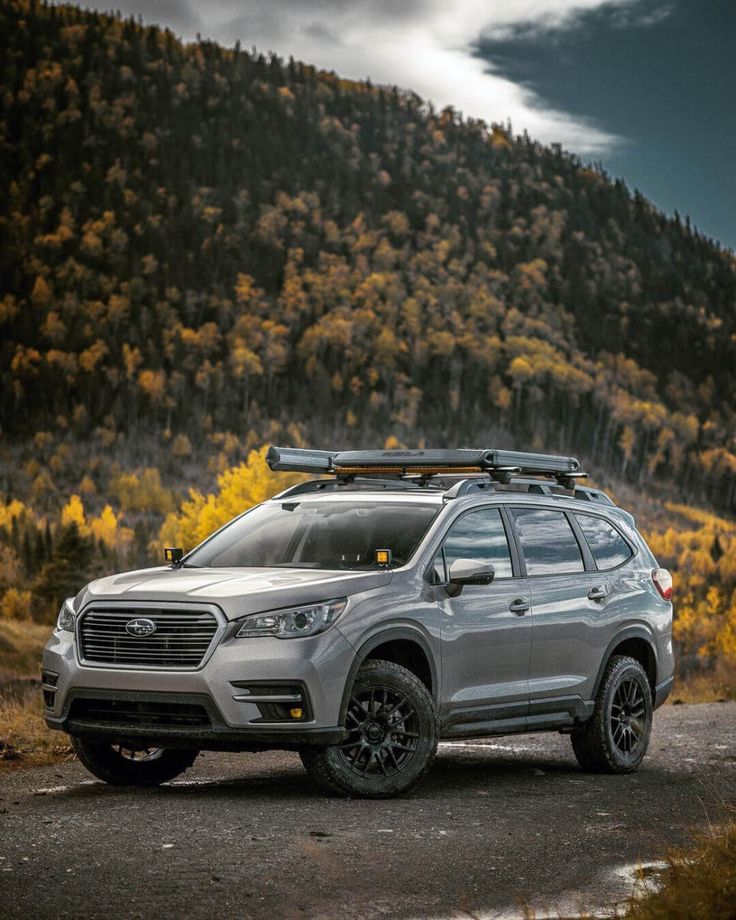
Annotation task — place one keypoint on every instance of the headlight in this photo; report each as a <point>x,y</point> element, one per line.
<point>67,616</point>
<point>293,622</point>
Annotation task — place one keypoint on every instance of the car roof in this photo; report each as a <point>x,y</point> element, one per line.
<point>439,497</point>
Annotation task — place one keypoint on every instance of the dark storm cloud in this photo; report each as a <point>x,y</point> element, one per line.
<point>662,75</point>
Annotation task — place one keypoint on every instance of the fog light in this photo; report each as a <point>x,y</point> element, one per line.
<point>296,713</point>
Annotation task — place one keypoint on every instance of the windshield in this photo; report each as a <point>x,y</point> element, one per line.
<point>318,535</point>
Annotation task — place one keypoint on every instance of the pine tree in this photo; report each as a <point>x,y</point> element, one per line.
<point>68,569</point>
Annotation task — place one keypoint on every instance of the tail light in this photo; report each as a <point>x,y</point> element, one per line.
<point>662,579</point>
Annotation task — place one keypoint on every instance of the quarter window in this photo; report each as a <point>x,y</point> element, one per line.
<point>480,535</point>
<point>547,541</point>
<point>608,547</point>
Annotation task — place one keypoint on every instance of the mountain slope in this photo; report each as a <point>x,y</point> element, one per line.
<point>203,240</point>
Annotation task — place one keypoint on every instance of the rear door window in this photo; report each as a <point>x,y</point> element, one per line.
<point>608,547</point>
<point>547,541</point>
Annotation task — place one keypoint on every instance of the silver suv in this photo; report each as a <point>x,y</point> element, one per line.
<point>401,598</point>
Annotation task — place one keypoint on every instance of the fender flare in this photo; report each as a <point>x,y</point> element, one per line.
<point>629,632</point>
<point>388,635</point>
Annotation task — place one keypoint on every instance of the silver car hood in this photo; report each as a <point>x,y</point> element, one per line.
<point>237,592</point>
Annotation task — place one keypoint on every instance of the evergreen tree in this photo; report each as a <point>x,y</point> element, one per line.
<point>66,572</point>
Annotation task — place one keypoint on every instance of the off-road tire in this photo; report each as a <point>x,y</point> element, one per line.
<point>595,745</point>
<point>329,766</point>
<point>109,765</point>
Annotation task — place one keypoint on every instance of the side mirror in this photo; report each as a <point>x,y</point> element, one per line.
<point>468,572</point>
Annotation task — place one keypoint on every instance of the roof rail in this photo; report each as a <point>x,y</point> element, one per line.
<point>470,485</point>
<point>499,464</point>
<point>349,484</point>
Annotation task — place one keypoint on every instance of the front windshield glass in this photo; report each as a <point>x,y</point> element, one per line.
<point>318,535</point>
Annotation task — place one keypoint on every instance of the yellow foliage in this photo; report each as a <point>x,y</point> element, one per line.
<point>142,492</point>
<point>499,138</point>
<point>699,547</point>
<point>107,528</point>
<point>13,509</point>
<point>239,488</point>
<point>73,513</point>
<point>153,384</point>
<point>87,486</point>
<point>16,604</point>
<point>181,446</point>
<point>41,293</point>
<point>90,357</point>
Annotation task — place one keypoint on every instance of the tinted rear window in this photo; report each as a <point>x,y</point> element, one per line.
<point>547,541</point>
<point>608,547</point>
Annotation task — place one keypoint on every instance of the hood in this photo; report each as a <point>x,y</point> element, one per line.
<point>237,592</point>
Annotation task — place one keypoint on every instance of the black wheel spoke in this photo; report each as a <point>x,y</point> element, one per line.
<point>383,731</point>
<point>628,715</point>
<point>400,747</point>
<point>360,707</point>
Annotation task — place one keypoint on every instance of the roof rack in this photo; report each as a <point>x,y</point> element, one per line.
<point>455,473</point>
<point>501,465</point>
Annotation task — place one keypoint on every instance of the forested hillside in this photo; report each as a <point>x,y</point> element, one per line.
<point>198,240</point>
<point>205,249</point>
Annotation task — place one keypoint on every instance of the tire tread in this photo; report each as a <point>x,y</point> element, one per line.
<point>111,768</point>
<point>591,743</point>
<point>318,764</point>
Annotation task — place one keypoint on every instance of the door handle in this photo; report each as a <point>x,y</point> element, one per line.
<point>519,607</point>
<point>598,593</point>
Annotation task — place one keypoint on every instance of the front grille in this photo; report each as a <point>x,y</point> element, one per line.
<point>181,639</point>
<point>136,713</point>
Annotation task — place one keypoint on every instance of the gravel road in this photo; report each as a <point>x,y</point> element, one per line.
<point>496,825</point>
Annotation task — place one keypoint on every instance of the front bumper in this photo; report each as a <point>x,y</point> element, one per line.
<point>320,665</point>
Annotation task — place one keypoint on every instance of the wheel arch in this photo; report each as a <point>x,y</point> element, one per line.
<point>402,645</point>
<point>638,643</point>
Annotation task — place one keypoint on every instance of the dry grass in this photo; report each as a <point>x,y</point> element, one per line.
<point>21,644</point>
<point>699,884</point>
<point>713,686</point>
<point>24,738</point>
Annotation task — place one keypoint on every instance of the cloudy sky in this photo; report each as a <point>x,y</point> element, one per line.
<point>648,87</point>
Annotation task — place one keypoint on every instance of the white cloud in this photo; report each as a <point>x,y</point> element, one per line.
<point>422,45</point>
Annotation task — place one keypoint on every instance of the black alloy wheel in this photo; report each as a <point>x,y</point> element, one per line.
<point>628,715</point>
<point>616,737</point>
<point>128,764</point>
<point>384,731</point>
<point>390,736</point>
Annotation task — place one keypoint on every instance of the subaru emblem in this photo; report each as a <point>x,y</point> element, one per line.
<point>140,627</point>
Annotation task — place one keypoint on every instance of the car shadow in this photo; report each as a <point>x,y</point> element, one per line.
<point>453,771</point>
